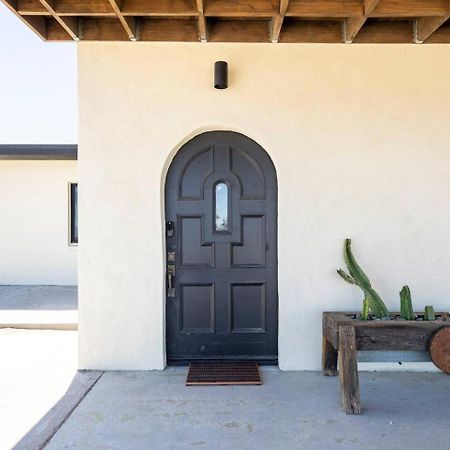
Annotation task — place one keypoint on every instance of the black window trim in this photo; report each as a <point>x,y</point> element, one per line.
<point>73,237</point>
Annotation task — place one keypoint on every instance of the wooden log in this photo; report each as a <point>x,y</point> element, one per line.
<point>348,370</point>
<point>440,349</point>
<point>329,358</point>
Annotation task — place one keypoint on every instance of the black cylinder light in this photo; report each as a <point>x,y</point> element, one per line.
<point>220,75</point>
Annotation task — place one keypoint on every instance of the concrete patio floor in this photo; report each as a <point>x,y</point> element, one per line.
<point>39,307</point>
<point>292,410</point>
<point>37,367</point>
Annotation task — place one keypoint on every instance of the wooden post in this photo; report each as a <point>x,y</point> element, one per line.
<point>329,358</point>
<point>348,370</point>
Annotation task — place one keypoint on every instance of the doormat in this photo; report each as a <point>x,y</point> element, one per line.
<point>223,373</point>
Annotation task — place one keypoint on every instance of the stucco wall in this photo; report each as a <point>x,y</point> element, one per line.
<point>360,139</point>
<point>34,223</point>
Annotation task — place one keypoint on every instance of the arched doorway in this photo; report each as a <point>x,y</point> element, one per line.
<point>221,242</point>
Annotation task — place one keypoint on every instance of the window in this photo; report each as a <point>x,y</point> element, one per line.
<point>221,207</point>
<point>73,213</point>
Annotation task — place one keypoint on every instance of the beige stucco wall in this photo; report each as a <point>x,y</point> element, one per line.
<point>34,204</point>
<point>360,139</point>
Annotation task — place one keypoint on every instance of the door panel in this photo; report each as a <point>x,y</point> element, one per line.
<point>251,251</point>
<point>197,309</point>
<point>193,251</point>
<point>222,297</point>
<point>248,307</point>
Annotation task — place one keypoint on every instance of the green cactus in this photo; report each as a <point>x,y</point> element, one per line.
<point>358,277</point>
<point>429,313</point>
<point>406,309</point>
<point>365,310</point>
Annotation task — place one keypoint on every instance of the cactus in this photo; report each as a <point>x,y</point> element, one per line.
<point>365,310</point>
<point>429,313</point>
<point>358,277</point>
<point>406,309</point>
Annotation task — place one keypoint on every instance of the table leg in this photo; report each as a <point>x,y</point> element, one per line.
<point>329,358</point>
<point>348,370</point>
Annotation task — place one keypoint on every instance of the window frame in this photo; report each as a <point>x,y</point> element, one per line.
<point>72,242</point>
<point>229,218</point>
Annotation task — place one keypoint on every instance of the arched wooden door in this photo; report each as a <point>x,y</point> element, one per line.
<point>221,242</point>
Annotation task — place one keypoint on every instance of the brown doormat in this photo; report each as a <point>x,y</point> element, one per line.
<point>217,373</point>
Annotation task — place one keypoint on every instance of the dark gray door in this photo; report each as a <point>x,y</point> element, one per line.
<point>221,241</point>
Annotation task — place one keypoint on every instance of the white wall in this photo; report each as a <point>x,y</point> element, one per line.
<point>359,136</point>
<point>34,223</point>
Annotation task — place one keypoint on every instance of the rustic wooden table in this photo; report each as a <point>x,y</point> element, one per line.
<point>344,335</point>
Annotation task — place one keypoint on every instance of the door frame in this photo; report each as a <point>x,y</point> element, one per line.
<point>164,176</point>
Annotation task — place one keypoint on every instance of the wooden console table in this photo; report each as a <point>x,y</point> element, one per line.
<point>345,335</point>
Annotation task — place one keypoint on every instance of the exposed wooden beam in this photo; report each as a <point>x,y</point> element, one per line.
<point>128,23</point>
<point>168,30</point>
<point>238,21</point>
<point>277,21</point>
<point>31,7</point>
<point>410,8</point>
<point>440,36</point>
<point>316,31</point>
<point>69,24</point>
<point>238,31</point>
<point>389,32</point>
<point>354,24</point>
<point>426,26</point>
<point>94,29</point>
<point>324,8</point>
<point>96,8</point>
<point>36,23</point>
<point>239,9</point>
<point>159,8</point>
<point>202,28</point>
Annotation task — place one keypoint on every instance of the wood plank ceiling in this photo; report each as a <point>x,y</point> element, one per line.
<point>316,21</point>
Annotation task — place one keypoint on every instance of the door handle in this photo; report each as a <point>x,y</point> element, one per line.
<point>171,281</point>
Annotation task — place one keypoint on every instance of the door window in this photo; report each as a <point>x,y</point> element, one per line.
<point>221,195</point>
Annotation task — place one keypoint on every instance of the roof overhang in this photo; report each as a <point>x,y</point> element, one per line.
<point>32,152</point>
<point>316,21</point>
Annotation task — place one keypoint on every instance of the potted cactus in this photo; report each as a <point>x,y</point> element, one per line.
<point>374,328</point>
<point>373,306</point>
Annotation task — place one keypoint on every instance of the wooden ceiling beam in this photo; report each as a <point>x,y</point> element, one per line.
<point>324,8</point>
<point>410,8</point>
<point>36,23</point>
<point>440,36</point>
<point>93,29</point>
<point>168,30</point>
<point>238,21</point>
<point>238,31</point>
<point>389,32</point>
<point>31,8</point>
<point>239,9</point>
<point>159,8</point>
<point>202,26</point>
<point>353,24</point>
<point>84,8</point>
<point>311,31</point>
<point>277,21</point>
<point>128,23</point>
<point>426,26</point>
<point>69,24</point>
